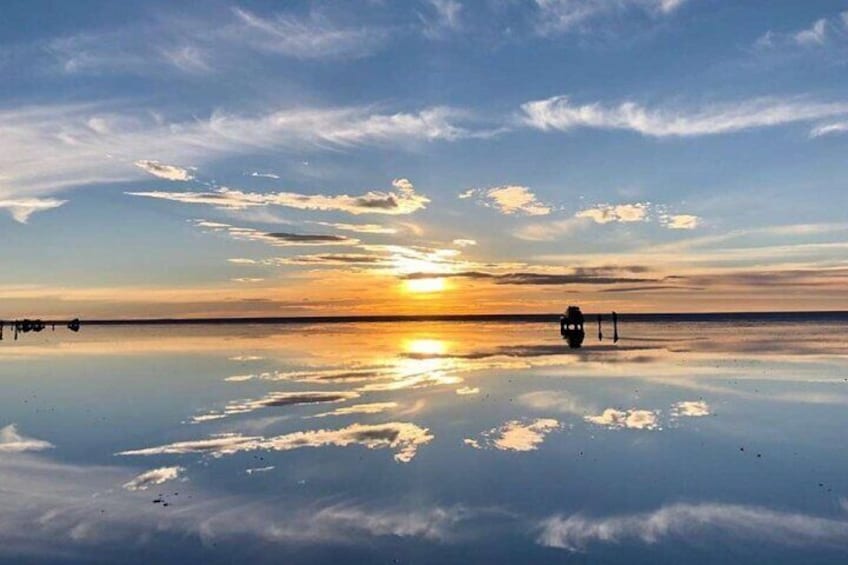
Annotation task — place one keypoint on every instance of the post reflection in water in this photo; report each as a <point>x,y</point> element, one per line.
<point>426,442</point>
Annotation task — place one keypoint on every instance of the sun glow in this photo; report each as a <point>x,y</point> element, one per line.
<point>425,285</point>
<point>423,346</point>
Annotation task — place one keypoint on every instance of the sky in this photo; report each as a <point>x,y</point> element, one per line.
<point>434,156</point>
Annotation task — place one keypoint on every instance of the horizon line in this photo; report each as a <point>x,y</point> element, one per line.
<point>635,316</point>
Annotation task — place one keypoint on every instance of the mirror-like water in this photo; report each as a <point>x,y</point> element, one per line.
<point>426,442</point>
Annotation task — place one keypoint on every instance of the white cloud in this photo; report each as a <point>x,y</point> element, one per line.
<point>280,399</point>
<point>404,438</point>
<point>691,408</point>
<point>464,242</point>
<point>53,510</point>
<point>448,18</point>
<point>467,390</point>
<point>265,175</point>
<point>201,45</point>
<point>22,208</point>
<point>402,200</point>
<point>691,522</point>
<point>605,213</point>
<point>823,33</point>
<point>549,231</point>
<point>47,149</point>
<point>680,221</point>
<point>510,199</point>
<point>369,408</point>
<point>188,58</point>
<point>815,35</point>
<point>276,239</point>
<point>13,442</point>
<point>557,16</point>
<point>553,400</point>
<point>517,435</point>
<point>154,477</point>
<point>358,228</point>
<point>259,470</point>
<point>631,419</point>
<point>829,129</point>
<point>305,38</point>
<point>558,113</point>
<point>163,171</point>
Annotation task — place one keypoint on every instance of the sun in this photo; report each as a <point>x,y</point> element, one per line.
<point>418,286</point>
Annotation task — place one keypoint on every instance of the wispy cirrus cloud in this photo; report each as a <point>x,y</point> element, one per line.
<point>818,35</point>
<point>369,408</point>
<point>213,42</point>
<point>276,239</point>
<point>51,148</point>
<point>402,200</point>
<point>446,19</point>
<point>835,128</point>
<point>551,230</point>
<point>265,175</point>
<point>558,16</point>
<point>278,400</point>
<point>359,228</point>
<point>404,438</point>
<point>312,37</point>
<point>694,522</point>
<point>54,510</point>
<point>509,199</point>
<point>557,277</point>
<point>559,113</point>
<point>554,400</point>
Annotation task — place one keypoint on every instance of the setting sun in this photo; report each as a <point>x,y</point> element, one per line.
<point>425,285</point>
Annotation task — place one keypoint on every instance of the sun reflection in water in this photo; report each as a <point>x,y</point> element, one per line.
<point>425,346</point>
<point>422,364</point>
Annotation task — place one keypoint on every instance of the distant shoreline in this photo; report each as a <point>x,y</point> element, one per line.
<point>836,315</point>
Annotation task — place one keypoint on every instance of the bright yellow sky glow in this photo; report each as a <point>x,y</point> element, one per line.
<point>425,285</point>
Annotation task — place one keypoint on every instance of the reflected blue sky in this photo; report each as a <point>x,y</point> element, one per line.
<point>422,442</point>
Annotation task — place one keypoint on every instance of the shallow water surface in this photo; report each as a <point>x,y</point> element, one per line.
<point>419,442</point>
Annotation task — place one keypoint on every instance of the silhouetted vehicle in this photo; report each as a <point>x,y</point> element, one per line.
<point>571,327</point>
<point>26,325</point>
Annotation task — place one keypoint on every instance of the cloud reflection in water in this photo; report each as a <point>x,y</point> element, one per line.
<point>517,435</point>
<point>404,438</point>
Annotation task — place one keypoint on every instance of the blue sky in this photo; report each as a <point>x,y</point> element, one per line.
<point>327,157</point>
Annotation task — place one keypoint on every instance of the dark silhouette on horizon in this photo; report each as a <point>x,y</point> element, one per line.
<point>614,327</point>
<point>26,325</point>
<point>571,327</point>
